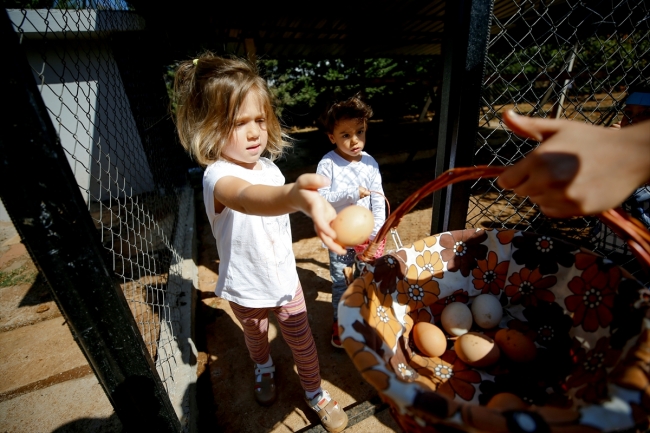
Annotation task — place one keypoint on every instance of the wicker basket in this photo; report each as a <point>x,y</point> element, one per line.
<point>589,320</point>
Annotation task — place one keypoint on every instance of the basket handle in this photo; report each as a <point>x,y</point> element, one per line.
<point>625,226</point>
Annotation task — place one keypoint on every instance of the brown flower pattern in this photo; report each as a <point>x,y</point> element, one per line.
<point>430,262</point>
<point>417,290</point>
<point>594,292</point>
<point>365,362</point>
<point>591,370</point>
<point>462,248</point>
<point>360,291</point>
<point>529,287</point>
<point>490,275</point>
<point>388,270</point>
<point>424,244</point>
<point>381,317</point>
<point>506,236</point>
<point>448,375</point>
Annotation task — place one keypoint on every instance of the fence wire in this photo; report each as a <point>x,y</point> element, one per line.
<point>566,59</point>
<point>111,115</point>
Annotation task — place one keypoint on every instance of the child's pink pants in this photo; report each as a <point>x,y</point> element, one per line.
<point>292,319</point>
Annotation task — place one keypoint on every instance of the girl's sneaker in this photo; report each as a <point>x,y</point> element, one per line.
<point>333,418</point>
<point>336,339</point>
<point>265,391</point>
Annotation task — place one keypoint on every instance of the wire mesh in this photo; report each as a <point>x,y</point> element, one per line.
<point>112,119</point>
<point>557,59</point>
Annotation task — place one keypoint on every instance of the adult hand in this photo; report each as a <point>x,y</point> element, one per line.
<point>578,169</point>
<point>305,195</point>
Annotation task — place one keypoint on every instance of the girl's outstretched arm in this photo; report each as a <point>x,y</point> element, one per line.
<point>265,200</point>
<point>578,169</point>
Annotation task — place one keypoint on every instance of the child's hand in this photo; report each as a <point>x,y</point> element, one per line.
<point>578,169</point>
<point>305,195</point>
<point>363,192</point>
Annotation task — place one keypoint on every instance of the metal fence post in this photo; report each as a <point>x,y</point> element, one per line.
<point>467,29</point>
<point>43,199</point>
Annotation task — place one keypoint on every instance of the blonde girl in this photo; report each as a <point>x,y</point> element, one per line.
<point>226,122</point>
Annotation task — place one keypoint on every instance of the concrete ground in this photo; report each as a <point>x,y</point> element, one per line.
<point>46,385</point>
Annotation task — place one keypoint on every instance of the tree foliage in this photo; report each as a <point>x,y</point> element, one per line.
<point>393,87</point>
<point>600,64</point>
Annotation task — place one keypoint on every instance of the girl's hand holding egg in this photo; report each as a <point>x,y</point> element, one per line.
<point>353,225</point>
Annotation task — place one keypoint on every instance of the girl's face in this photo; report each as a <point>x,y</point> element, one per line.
<point>249,138</point>
<point>349,136</point>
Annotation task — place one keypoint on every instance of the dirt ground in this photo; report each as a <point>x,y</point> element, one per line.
<point>225,370</point>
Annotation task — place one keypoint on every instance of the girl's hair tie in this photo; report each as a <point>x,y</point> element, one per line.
<point>195,61</point>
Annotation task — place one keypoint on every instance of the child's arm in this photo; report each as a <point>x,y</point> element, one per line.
<point>377,204</point>
<point>265,200</point>
<point>348,196</point>
<point>578,169</point>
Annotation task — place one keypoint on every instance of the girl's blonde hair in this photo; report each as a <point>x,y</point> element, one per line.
<point>208,92</point>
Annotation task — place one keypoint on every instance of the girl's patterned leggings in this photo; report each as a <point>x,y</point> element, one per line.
<point>292,318</point>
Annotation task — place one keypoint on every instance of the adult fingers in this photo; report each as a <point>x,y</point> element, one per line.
<point>513,176</point>
<point>542,173</point>
<point>529,127</point>
<point>565,210</point>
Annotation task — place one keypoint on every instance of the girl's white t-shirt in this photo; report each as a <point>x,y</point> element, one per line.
<point>257,267</point>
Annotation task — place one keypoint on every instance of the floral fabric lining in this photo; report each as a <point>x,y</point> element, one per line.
<point>586,316</point>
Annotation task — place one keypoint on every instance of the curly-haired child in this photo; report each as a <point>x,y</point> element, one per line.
<point>353,175</point>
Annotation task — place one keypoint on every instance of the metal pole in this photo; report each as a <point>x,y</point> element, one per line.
<point>43,199</point>
<point>567,81</point>
<point>467,30</point>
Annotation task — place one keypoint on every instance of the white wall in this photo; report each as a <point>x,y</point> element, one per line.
<point>93,118</point>
<point>83,91</point>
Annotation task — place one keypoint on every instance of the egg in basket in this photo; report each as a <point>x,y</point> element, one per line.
<point>558,338</point>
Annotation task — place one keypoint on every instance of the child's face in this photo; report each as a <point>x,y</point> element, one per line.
<point>249,138</point>
<point>349,136</point>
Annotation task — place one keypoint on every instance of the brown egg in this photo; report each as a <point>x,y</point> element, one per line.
<point>476,349</point>
<point>429,339</point>
<point>516,345</point>
<point>353,226</point>
<point>506,401</point>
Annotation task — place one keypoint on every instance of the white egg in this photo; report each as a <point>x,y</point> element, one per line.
<point>456,318</point>
<point>487,311</point>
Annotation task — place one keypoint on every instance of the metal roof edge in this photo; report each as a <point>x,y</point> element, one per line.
<point>61,23</point>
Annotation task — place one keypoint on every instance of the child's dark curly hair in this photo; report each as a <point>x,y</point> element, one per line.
<point>351,108</point>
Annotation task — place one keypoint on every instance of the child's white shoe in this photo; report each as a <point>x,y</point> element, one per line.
<point>331,415</point>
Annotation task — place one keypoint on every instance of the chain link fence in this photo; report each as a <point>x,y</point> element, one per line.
<point>109,106</point>
<point>566,59</point>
